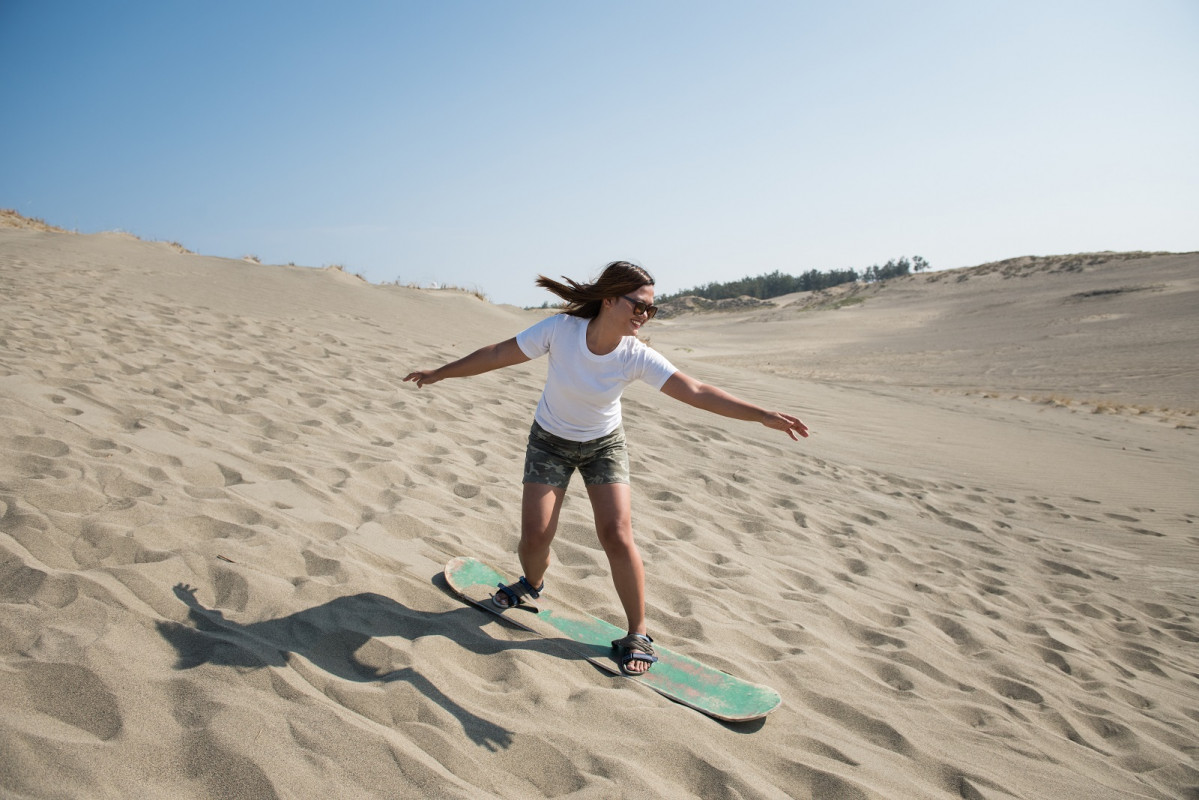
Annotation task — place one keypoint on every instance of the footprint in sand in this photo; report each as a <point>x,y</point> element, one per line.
<point>1015,690</point>
<point>1058,568</point>
<point>73,695</point>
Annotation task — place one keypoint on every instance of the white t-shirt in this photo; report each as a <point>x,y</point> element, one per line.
<point>581,400</point>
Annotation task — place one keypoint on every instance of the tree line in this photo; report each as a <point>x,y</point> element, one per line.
<point>777,283</point>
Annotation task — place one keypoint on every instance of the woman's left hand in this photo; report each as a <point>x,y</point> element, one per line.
<point>785,422</point>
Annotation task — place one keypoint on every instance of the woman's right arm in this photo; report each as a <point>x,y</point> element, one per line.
<point>485,359</point>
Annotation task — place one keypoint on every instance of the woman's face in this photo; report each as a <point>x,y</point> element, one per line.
<point>623,310</point>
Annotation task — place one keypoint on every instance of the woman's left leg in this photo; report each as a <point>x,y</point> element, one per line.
<point>613,509</point>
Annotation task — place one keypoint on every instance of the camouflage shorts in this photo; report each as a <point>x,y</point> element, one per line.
<point>551,460</point>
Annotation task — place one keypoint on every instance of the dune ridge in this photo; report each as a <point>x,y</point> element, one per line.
<point>222,519</point>
<point>1113,329</point>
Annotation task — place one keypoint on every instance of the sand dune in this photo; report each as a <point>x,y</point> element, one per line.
<point>222,519</point>
<point>1115,329</point>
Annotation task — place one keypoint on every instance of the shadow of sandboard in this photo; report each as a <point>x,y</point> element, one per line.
<point>678,677</point>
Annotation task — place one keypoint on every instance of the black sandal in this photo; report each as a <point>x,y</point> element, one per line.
<point>634,647</point>
<point>514,595</point>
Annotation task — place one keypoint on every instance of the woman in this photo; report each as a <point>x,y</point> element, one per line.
<point>594,354</point>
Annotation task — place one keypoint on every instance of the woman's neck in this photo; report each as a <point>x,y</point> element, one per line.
<point>601,339</point>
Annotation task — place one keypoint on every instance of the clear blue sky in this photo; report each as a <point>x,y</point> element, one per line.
<point>478,143</point>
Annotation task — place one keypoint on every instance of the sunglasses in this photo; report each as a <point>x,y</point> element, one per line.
<point>639,308</point>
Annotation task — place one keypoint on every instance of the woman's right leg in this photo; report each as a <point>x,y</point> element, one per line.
<point>539,511</point>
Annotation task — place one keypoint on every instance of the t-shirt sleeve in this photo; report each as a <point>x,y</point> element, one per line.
<point>534,341</point>
<point>657,369</point>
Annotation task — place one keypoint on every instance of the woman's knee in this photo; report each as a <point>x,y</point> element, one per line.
<point>536,535</point>
<point>616,537</point>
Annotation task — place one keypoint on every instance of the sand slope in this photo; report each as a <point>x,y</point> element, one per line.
<point>222,518</point>
<point>1114,328</point>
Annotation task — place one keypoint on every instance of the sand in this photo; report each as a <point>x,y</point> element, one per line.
<point>223,518</point>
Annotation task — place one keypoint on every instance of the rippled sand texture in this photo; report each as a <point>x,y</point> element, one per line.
<point>222,519</point>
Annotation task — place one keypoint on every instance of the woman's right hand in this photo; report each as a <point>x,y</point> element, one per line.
<point>423,378</point>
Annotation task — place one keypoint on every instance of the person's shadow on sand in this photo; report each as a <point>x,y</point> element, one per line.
<point>329,637</point>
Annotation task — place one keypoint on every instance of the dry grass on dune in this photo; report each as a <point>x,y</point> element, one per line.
<point>10,218</point>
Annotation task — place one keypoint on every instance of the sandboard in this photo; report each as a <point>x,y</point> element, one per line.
<point>676,676</point>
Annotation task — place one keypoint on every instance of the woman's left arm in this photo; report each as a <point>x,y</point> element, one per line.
<point>688,390</point>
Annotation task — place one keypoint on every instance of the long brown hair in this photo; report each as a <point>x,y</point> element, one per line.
<point>585,299</point>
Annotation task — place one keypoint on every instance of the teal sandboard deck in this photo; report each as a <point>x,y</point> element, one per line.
<point>679,677</point>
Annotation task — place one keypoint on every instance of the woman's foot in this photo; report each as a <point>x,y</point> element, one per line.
<point>513,595</point>
<point>635,653</point>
